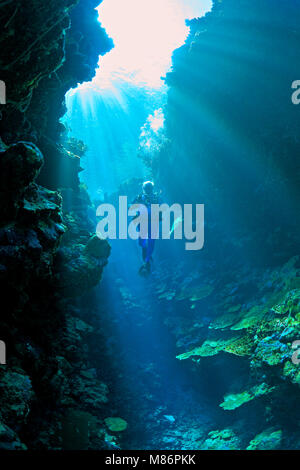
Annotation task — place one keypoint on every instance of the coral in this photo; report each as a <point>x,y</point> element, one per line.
<point>20,164</point>
<point>221,440</point>
<point>98,248</point>
<point>233,401</point>
<point>76,427</point>
<point>82,255</point>
<point>249,319</point>
<point>241,346</point>
<point>223,321</point>
<point>17,395</point>
<point>270,439</point>
<point>78,270</point>
<point>238,345</point>
<point>9,440</point>
<point>254,319</point>
<point>292,371</point>
<point>32,227</point>
<point>271,351</point>
<point>168,295</point>
<point>116,424</point>
<point>195,293</point>
<point>290,304</point>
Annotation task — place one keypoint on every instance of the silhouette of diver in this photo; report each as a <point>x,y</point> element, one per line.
<point>147,198</point>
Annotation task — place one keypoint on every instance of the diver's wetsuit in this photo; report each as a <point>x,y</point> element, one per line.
<point>147,244</point>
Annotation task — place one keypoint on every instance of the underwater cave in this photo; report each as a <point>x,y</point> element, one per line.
<point>121,330</point>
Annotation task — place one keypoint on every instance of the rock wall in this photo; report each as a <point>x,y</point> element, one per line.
<point>232,129</point>
<point>232,143</point>
<point>49,256</point>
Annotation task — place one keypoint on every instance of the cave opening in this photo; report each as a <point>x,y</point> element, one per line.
<point>119,116</point>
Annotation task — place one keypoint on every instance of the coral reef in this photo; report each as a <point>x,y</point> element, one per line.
<point>270,439</point>
<point>247,326</point>
<point>221,440</point>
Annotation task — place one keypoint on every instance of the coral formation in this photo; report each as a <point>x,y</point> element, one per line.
<point>233,401</point>
<point>270,439</point>
<point>262,344</point>
<point>221,440</point>
<point>116,424</point>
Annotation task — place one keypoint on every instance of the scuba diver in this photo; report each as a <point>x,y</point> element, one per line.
<point>148,197</point>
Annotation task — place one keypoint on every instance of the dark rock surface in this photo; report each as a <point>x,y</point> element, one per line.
<point>232,129</point>
<point>48,255</point>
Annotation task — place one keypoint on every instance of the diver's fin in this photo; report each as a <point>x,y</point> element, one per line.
<point>145,270</point>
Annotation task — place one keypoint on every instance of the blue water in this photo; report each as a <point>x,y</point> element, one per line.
<point>120,115</point>
<point>110,115</point>
<point>150,383</point>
